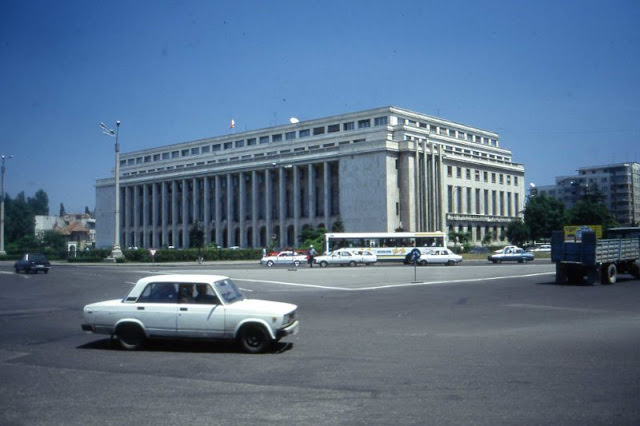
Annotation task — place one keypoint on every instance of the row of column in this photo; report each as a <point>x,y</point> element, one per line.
<point>468,200</point>
<point>254,208</point>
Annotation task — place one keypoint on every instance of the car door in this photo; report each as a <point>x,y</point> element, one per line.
<point>201,315</point>
<point>157,308</point>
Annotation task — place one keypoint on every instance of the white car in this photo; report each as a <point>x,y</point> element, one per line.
<point>344,257</point>
<point>208,307</point>
<point>442,256</point>
<point>284,258</point>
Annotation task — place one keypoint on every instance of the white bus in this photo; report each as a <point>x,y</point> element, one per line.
<point>386,245</point>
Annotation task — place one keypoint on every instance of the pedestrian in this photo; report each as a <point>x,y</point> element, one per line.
<point>311,255</point>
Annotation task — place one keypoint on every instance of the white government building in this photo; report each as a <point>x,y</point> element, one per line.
<point>376,170</point>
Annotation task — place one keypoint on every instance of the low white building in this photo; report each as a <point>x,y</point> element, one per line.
<point>78,229</point>
<point>375,170</point>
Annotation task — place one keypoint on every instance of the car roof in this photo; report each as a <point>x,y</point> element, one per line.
<point>195,278</point>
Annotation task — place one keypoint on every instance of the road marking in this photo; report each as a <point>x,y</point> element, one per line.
<point>386,286</point>
<point>555,308</point>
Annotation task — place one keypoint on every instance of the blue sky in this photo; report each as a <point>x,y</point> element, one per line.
<point>558,80</point>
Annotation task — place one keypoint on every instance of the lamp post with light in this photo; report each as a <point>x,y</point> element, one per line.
<point>4,169</point>
<point>116,252</point>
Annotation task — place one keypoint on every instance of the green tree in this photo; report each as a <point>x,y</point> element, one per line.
<point>542,215</point>
<point>196,236</point>
<point>39,204</point>
<point>589,212</point>
<point>517,232</point>
<point>338,226</point>
<point>54,241</point>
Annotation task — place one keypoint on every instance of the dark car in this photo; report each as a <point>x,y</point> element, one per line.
<point>32,263</point>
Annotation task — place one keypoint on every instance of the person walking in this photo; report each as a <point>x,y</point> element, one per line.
<point>311,255</point>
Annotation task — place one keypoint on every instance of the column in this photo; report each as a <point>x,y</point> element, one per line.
<point>311,194</point>
<point>242,187</point>
<point>327,193</point>
<point>174,213</point>
<point>154,215</point>
<point>164,205</point>
<point>136,215</point>
<point>218,210</point>
<point>296,204</point>
<point>206,210</point>
<point>268,193</point>
<point>282,207</point>
<point>185,214</point>
<point>254,209</point>
<point>230,241</point>
<point>145,215</point>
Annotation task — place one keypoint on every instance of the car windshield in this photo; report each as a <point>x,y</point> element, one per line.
<point>228,291</point>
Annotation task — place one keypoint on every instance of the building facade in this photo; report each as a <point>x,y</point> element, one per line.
<point>376,170</point>
<point>619,185</point>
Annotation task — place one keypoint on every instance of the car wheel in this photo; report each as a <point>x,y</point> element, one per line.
<point>352,263</point>
<point>451,263</point>
<point>17,270</point>
<point>270,264</point>
<point>296,263</point>
<point>254,339</point>
<point>521,260</point>
<point>323,264</point>
<point>46,271</point>
<point>609,274</point>
<point>130,336</point>
<point>423,263</point>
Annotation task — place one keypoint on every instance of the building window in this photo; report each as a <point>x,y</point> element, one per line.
<point>264,139</point>
<point>363,124</point>
<point>147,158</point>
<point>493,178</point>
<point>318,130</point>
<point>156,157</point>
<point>333,128</point>
<point>469,174</point>
<point>276,138</point>
<point>205,149</point>
<point>251,141</point>
<point>175,154</point>
<point>477,175</point>
<point>486,176</point>
<point>195,151</point>
<point>305,133</point>
<point>228,145</point>
<point>515,181</point>
<point>380,121</point>
<point>240,143</point>
<point>290,136</point>
<point>185,152</point>
<point>449,171</point>
<point>459,172</point>
<point>216,147</point>
<point>166,155</point>
<point>501,178</point>
<point>348,126</point>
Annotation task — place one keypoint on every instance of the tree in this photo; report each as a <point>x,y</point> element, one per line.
<point>542,215</point>
<point>517,232</point>
<point>589,212</point>
<point>196,236</point>
<point>62,212</point>
<point>337,226</point>
<point>39,204</point>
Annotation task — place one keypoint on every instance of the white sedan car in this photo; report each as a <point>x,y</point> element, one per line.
<point>350,257</point>
<point>206,307</point>
<point>442,256</point>
<point>284,258</point>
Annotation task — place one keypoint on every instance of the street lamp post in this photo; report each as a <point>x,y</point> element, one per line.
<point>4,169</point>
<point>116,252</point>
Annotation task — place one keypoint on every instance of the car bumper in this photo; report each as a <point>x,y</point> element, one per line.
<point>289,330</point>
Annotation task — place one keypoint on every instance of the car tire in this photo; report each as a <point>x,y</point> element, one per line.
<point>296,263</point>
<point>609,274</point>
<point>423,263</point>
<point>254,339</point>
<point>323,264</point>
<point>17,270</point>
<point>130,336</point>
<point>269,264</point>
<point>352,263</point>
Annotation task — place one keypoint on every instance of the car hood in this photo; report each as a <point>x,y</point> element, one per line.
<point>261,306</point>
<point>102,305</point>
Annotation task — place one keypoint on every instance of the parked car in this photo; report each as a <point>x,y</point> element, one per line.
<point>542,248</point>
<point>344,256</point>
<point>32,263</point>
<point>511,254</point>
<point>442,256</point>
<point>208,307</point>
<point>284,258</point>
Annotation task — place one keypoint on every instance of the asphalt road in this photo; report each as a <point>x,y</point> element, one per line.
<point>476,344</point>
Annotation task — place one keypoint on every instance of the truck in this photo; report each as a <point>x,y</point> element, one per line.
<point>594,260</point>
